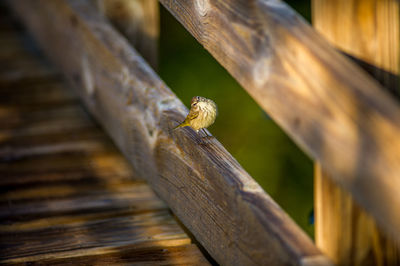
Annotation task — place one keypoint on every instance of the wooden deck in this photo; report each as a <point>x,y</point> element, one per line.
<point>67,195</point>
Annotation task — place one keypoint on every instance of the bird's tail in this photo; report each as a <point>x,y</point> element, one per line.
<point>183,124</point>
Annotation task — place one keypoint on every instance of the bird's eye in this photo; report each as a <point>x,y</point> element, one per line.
<point>194,104</point>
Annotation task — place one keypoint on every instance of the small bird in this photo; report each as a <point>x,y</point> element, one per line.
<point>202,114</point>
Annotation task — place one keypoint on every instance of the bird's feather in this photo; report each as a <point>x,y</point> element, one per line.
<point>192,115</point>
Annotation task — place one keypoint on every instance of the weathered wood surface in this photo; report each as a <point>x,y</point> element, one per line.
<point>224,208</point>
<point>344,231</point>
<point>139,21</point>
<point>333,110</point>
<point>368,31</point>
<point>67,196</point>
<point>181,254</point>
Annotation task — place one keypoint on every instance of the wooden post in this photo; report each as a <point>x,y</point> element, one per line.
<point>367,31</point>
<point>345,232</point>
<point>138,20</point>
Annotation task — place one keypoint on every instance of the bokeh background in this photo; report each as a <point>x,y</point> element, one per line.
<point>247,132</point>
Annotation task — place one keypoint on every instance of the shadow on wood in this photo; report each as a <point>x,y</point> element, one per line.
<point>339,115</point>
<point>207,189</point>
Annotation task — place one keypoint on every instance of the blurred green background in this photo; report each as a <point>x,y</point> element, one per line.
<point>247,132</point>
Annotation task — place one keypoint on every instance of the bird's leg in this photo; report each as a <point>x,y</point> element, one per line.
<point>207,136</point>
<point>205,132</point>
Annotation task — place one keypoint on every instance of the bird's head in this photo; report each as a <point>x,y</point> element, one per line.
<point>195,101</point>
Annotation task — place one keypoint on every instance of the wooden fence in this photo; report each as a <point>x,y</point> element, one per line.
<point>336,112</point>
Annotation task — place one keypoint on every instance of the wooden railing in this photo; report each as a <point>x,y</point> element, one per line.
<point>337,113</point>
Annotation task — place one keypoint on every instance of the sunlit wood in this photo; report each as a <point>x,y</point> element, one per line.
<point>337,113</point>
<point>207,189</point>
<point>368,31</point>
<point>68,196</point>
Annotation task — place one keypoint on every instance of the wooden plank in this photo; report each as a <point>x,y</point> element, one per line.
<point>8,154</point>
<point>79,166</point>
<point>66,189</point>
<point>41,223</point>
<point>368,31</point>
<point>344,231</point>
<point>333,110</point>
<point>71,168</point>
<point>97,252</point>
<point>138,20</point>
<point>74,199</point>
<point>144,256</point>
<point>225,209</point>
<point>48,91</point>
<point>23,69</point>
<point>28,79</point>
<point>13,116</point>
<point>10,50</point>
<point>51,126</point>
<point>91,134</point>
<point>84,174</point>
<point>136,198</point>
<point>86,140</point>
<point>111,232</point>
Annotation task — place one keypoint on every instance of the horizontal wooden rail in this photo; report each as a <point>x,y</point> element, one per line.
<point>332,109</point>
<point>207,189</point>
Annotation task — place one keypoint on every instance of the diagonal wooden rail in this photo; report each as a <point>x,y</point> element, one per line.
<point>337,113</point>
<point>227,211</point>
<point>138,20</point>
<point>67,196</point>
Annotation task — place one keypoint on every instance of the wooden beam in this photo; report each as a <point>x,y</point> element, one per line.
<point>344,231</point>
<point>368,31</point>
<point>225,209</point>
<point>138,20</point>
<point>339,115</point>
<point>176,253</point>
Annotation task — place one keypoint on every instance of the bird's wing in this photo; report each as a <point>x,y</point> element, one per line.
<point>192,115</point>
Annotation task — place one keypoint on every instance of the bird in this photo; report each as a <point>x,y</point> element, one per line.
<point>202,114</point>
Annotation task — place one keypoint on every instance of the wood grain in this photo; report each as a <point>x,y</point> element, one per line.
<point>137,198</point>
<point>368,31</point>
<point>118,231</point>
<point>11,116</point>
<point>67,196</point>
<point>339,115</point>
<point>12,94</point>
<point>15,70</point>
<point>225,209</point>
<point>344,231</point>
<point>148,256</point>
<point>139,21</point>
<point>69,167</point>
